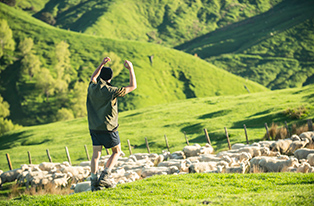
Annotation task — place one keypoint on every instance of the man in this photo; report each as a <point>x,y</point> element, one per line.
<point>102,110</point>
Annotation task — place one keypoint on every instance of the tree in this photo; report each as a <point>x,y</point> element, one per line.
<point>5,124</point>
<point>78,101</point>
<point>45,82</point>
<point>6,40</point>
<point>64,114</point>
<point>31,64</point>
<point>26,46</point>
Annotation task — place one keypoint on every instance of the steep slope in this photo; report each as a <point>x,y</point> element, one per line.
<point>173,75</point>
<point>274,48</point>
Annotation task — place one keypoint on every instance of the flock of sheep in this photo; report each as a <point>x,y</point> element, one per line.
<point>295,154</point>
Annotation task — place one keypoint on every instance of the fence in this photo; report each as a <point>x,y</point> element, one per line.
<point>309,123</point>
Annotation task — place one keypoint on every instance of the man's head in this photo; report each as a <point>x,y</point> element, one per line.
<point>106,73</point>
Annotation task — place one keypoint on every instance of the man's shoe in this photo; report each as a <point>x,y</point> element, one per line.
<point>107,183</point>
<point>104,175</point>
<point>94,184</point>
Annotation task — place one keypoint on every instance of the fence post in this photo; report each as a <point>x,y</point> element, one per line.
<point>129,147</point>
<point>287,128</point>
<point>229,145</point>
<point>68,155</point>
<point>48,154</point>
<point>29,157</point>
<point>246,137</point>
<point>107,151</point>
<point>167,143</point>
<point>207,136</point>
<point>147,146</point>
<point>310,124</point>
<point>9,161</point>
<point>186,139</point>
<point>86,151</point>
<point>268,136</point>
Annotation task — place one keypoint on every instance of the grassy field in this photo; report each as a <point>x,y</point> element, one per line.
<point>190,116</point>
<point>193,189</point>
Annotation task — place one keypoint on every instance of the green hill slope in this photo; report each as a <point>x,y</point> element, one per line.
<point>274,48</point>
<point>172,119</point>
<point>169,22</point>
<point>173,75</point>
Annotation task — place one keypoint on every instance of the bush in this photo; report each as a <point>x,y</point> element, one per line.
<point>297,113</point>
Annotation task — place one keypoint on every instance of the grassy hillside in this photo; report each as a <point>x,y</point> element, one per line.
<point>173,75</point>
<point>172,119</point>
<point>274,48</point>
<point>193,189</point>
<point>166,22</point>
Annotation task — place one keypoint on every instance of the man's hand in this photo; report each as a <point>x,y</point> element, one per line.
<point>105,60</point>
<point>128,64</point>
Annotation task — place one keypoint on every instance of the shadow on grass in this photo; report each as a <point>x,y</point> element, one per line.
<point>8,141</point>
<point>214,114</point>
<point>259,122</point>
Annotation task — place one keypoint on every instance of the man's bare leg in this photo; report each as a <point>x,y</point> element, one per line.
<point>94,166</point>
<point>116,151</point>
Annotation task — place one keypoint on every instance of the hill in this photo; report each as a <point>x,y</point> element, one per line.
<point>164,22</point>
<point>274,49</point>
<point>171,119</point>
<point>173,75</point>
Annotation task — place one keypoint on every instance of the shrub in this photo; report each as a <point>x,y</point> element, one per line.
<point>296,113</point>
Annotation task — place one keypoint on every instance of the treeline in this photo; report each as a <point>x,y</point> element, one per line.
<point>46,95</point>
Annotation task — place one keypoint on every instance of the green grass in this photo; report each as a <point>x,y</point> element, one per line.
<point>194,189</point>
<point>172,119</point>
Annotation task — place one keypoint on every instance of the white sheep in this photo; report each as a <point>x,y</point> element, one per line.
<point>191,151</point>
<point>281,146</point>
<point>207,149</point>
<point>238,146</point>
<point>10,176</point>
<point>297,145</point>
<point>180,164</point>
<point>277,165</point>
<point>303,153</point>
<point>177,155</point>
<point>202,167</point>
<point>310,159</point>
<point>147,172</point>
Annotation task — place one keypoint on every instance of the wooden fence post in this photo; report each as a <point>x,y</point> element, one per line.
<point>207,136</point>
<point>186,139</point>
<point>287,128</point>
<point>129,147</point>
<point>86,151</point>
<point>167,143</point>
<point>147,146</point>
<point>229,145</point>
<point>246,137</point>
<point>9,161</point>
<point>107,151</point>
<point>310,124</point>
<point>29,157</point>
<point>48,154</point>
<point>68,155</point>
<point>268,136</point>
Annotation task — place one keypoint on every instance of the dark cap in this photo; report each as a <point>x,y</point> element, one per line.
<point>106,73</point>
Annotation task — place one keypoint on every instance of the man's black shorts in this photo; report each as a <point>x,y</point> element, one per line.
<point>107,139</point>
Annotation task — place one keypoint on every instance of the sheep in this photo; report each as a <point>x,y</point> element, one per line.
<point>191,151</point>
<point>242,168</point>
<point>10,176</point>
<point>240,157</point>
<point>301,168</point>
<point>310,159</point>
<point>238,146</point>
<point>177,155</point>
<point>281,146</point>
<point>158,160</point>
<point>307,135</point>
<point>303,153</point>
<point>47,166</point>
<point>214,158</point>
<point>202,167</point>
<point>207,149</point>
<point>81,187</point>
<point>180,164</point>
<point>266,143</point>
<point>295,138</point>
<point>147,172</point>
<point>297,145</point>
<point>276,165</point>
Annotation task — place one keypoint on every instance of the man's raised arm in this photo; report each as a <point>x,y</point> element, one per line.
<point>132,84</point>
<point>98,70</point>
